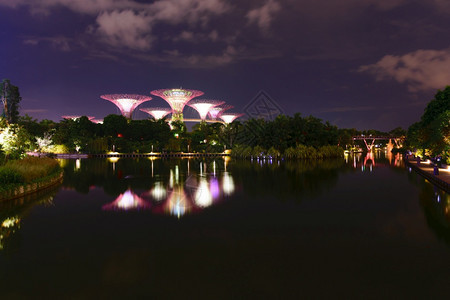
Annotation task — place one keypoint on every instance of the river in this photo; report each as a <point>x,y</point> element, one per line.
<point>360,227</point>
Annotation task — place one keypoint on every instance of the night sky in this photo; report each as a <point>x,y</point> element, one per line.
<point>365,64</point>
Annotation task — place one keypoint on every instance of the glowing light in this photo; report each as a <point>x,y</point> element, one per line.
<point>228,184</point>
<point>177,99</point>
<point>100,121</point>
<point>214,188</point>
<point>216,111</point>
<point>159,192</point>
<point>127,103</point>
<point>127,201</point>
<point>203,106</point>
<point>177,203</point>
<point>10,222</point>
<point>74,118</point>
<point>229,118</point>
<point>77,164</point>
<point>157,113</point>
<point>203,197</point>
<point>113,159</point>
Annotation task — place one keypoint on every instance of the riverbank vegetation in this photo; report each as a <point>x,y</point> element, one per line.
<point>20,172</point>
<point>430,137</point>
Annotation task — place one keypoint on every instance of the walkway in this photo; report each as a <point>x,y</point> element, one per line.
<point>427,170</point>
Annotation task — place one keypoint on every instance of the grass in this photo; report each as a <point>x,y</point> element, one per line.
<point>28,170</point>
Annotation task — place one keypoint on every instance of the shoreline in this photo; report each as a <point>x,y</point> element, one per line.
<point>427,171</point>
<point>106,155</point>
<point>31,188</point>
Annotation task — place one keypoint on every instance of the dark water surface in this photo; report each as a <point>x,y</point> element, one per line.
<point>364,227</point>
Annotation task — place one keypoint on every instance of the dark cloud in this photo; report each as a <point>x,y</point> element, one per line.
<point>304,52</point>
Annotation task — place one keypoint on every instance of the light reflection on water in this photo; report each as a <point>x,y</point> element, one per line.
<point>368,161</point>
<point>182,193</point>
<point>277,220</point>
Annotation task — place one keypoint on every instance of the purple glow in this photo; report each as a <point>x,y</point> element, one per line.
<point>203,106</point>
<point>127,103</point>
<point>76,117</point>
<point>127,201</point>
<point>177,98</point>
<point>216,111</point>
<point>214,188</point>
<point>230,117</point>
<point>158,112</point>
<point>99,121</point>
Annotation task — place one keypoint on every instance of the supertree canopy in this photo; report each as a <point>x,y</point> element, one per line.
<point>216,111</point>
<point>230,117</point>
<point>177,99</point>
<point>127,103</point>
<point>157,112</point>
<point>203,106</point>
<point>73,117</point>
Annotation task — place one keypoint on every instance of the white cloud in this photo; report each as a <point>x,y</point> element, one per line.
<point>263,15</point>
<point>125,29</point>
<point>419,70</point>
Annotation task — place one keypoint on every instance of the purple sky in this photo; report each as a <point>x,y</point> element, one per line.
<point>367,64</point>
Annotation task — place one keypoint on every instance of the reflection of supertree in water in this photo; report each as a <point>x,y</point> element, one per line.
<point>127,201</point>
<point>192,195</point>
<point>179,193</point>
<point>127,103</point>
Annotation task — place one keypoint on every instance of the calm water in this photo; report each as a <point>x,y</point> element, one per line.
<point>364,227</point>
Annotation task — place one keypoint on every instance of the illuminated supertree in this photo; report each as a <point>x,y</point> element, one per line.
<point>216,111</point>
<point>127,103</point>
<point>203,106</point>
<point>157,112</point>
<point>76,117</point>
<point>230,117</point>
<point>177,99</point>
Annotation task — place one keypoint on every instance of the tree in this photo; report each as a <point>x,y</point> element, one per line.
<point>10,96</point>
<point>431,134</point>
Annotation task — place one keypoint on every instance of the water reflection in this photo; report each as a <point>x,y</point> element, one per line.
<point>126,201</point>
<point>13,211</point>
<point>174,187</point>
<point>377,158</point>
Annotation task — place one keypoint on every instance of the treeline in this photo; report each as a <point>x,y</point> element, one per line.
<point>293,137</point>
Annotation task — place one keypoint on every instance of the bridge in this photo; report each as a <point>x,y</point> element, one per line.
<point>397,139</point>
